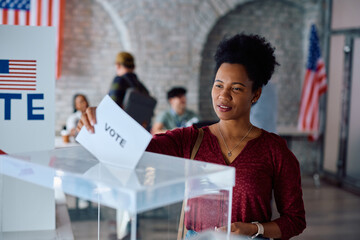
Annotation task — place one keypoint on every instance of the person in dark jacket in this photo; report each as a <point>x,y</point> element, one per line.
<point>126,78</point>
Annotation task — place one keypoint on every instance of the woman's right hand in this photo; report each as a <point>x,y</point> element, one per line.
<point>88,119</point>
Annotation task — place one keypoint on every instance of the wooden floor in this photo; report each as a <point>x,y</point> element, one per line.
<point>332,214</point>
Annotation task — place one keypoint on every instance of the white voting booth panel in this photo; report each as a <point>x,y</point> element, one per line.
<point>27,74</point>
<point>157,181</point>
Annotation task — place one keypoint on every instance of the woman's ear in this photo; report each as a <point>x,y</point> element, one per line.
<point>257,95</point>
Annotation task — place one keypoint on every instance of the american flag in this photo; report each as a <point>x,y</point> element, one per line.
<point>17,74</point>
<point>35,13</point>
<point>313,87</point>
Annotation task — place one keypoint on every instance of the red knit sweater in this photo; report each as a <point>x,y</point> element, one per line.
<point>265,164</point>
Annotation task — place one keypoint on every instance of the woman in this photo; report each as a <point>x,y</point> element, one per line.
<point>244,63</point>
<point>80,104</point>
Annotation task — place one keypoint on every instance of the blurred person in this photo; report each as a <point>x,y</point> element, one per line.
<point>178,115</point>
<point>263,113</point>
<point>125,78</point>
<point>80,104</point>
<point>263,163</point>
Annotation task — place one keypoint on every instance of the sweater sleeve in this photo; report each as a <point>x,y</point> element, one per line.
<point>177,142</point>
<point>288,192</point>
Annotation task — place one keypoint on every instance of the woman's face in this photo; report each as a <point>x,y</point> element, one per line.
<point>232,94</point>
<point>80,103</point>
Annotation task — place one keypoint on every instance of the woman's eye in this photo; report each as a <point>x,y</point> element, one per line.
<point>218,86</point>
<point>237,89</point>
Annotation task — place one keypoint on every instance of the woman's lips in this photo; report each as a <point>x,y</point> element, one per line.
<point>223,108</point>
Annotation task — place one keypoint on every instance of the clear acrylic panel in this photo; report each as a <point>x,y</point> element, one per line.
<point>208,211</point>
<point>150,197</point>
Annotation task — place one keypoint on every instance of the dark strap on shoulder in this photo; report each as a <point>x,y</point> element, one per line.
<point>135,83</point>
<point>197,143</point>
<point>129,81</point>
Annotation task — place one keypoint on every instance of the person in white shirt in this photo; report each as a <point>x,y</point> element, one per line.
<point>177,115</point>
<point>80,104</point>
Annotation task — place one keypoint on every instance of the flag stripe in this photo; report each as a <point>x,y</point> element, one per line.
<point>12,80</point>
<point>61,7</point>
<point>29,72</point>
<point>27,18</point>
<point>17,76</point>
<point>16,17</point>
<point>55,14</point>
<point>31,65</point>
<point>24,85</point>
<point>38,19</point>
<point>22,18</point>
<point>17,88</point>
<point>5,16</point>
<point>33,12</point>
<point>22,60</point>
<point>22,68</point>
<point>305,95</point>
<point>322,90</point>
<point>50,13</point>
<point>44,13</point>
<point>10,17</point>
<point>309,102</point>
<point>314,119</point>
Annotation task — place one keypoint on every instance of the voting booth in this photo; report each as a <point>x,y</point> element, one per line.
<point>27,86</point>
<point>157,180</point>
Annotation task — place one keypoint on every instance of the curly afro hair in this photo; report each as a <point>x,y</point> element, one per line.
<point>253,52</point>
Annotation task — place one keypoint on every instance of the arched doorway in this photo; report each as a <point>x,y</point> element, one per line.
<point>282,23</point>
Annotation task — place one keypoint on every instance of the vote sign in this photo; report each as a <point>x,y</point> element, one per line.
<point>27,87</point>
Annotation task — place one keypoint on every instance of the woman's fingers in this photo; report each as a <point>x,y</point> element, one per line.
<point>88,119</point>
<point>79,126</point>
<point>221,229</point>
<point>236,228</point>
<point>91,113</point>
<point>86,122</point>
<point>224,228</point>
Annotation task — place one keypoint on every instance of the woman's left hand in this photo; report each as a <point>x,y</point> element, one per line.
<point>242,228</point>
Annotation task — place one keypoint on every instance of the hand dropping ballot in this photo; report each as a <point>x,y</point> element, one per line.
<point>118,139</point>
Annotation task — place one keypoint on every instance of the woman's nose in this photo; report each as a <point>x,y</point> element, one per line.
<point>225,94</point>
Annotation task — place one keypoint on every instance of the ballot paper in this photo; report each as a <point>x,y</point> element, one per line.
<point>118,139</point>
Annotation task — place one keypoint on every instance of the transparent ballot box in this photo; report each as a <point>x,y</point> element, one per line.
<point>161,198</point>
